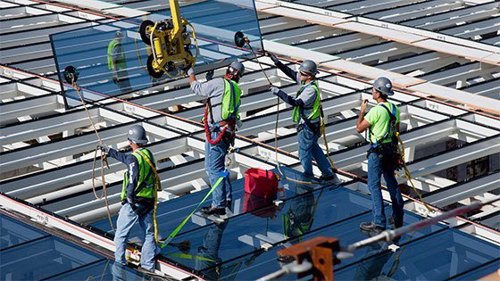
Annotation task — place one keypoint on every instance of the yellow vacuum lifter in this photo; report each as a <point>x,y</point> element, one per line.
<point>170,43</point>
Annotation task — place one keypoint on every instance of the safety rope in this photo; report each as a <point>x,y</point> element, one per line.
<point>277,111</point>
<point>323,132</point>
<point>176,231</point>
<point>104,194</point>
<point>401,150</point>
<point>208,134</point>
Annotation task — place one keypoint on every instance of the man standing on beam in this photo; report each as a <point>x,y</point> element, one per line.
<point>382,121</point>
<point>306,113</point>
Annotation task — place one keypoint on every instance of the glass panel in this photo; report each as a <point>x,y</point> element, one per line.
<point>480,272</point>
<point>172,212</point>
<point>13,233</point>
<point>244,234</point>
<point>112,59</point>
<point>436,257</point>
<point>43,258</point>
<point>103,270</point>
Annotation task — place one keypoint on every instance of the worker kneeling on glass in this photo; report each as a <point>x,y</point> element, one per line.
<point>382,121</point>
<point>138,197</point>
<point>306,113</point>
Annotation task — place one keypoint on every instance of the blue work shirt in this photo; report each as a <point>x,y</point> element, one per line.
<point>133,171</point>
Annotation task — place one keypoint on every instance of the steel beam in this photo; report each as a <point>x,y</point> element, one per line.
<point>463,191</point>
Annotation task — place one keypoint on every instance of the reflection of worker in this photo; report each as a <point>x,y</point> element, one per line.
<point>138,197</point>
<point>371,268</point>
<point>306,113</point>
<point>208,252</point>
<point>299,218</point>
<point>118,272</point>
<point>223,99</point>
<point>117,62</point>
<point>381,154</point>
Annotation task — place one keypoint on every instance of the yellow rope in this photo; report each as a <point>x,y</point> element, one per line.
<point>323,132</point>
<point>401,150</point>
<point>103,157</point>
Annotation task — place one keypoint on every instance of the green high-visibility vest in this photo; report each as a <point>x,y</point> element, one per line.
<point>120,62</point>
<point>230,107</point>
<point>146,185</point>
<point>315,113</point>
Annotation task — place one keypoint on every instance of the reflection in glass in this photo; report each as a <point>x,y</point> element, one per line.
<point>112,58</point>
<point>117,62</point>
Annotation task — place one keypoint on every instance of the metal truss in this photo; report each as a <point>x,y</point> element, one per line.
<point>47,151</point>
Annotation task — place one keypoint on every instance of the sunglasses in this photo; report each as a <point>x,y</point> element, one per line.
<point>304,74</point>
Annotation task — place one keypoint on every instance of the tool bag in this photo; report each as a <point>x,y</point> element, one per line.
<point>261,183</point>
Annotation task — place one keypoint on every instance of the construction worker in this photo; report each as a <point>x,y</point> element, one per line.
<point>223,102</point>
<point>381,155</point>
<point>306,113</point>
<point>138,197</point>
<point>117,63</point>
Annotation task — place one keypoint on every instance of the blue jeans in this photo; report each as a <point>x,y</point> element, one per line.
<point>309,149</point>
<point>208,252</point>
<point>126,220</point>
<point>376,167</point>
<point>215,158</point>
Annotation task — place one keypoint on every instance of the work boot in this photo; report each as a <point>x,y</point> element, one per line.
<point>330,179</point>
<point>213,211</point>
<point>371,228</point>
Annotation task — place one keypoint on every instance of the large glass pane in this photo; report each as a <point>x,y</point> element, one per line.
<point>102,270</point>
<point>42,258</point>
<point>13,233</point>
<point>436,257</point>
<point>112,59</point>
<point>244,234</point>
<point>172,212</point>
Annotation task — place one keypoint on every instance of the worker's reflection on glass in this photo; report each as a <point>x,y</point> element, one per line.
<point>118,272</point>
<point>208,253</point>
<point>117,62</point>
<point>299,217</point>
<point>371,269</point>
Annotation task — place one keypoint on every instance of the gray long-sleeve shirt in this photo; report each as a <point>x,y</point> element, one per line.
<point>307,96</point>
<point>214,90</point>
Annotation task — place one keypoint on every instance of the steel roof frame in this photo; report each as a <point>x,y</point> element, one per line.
<point>178,140</point>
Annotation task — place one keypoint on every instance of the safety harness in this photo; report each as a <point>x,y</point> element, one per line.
<point>398,148</point>
<point>156,187</point>
<point>230,118</point>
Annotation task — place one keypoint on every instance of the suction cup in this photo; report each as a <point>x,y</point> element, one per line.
<point>240,39</point>
<point>70,74</point>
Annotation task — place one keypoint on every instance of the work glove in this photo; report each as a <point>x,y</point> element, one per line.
<point>275,91</point>
<point>210,75</point>
<point>190,71</point>
<point>116,79</point>
<point>104,148</point>
<point>283,96</point>
<point>273,58</point>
